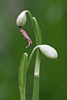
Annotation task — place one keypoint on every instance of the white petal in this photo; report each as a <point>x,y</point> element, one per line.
<point>48,51</point>
<point>21,19</point>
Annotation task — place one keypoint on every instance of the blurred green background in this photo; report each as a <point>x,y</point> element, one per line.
<point>51,15</point>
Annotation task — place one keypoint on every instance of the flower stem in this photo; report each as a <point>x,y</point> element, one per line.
<point>36,78</point>
<point>28,63</point>
<point>37,62</point>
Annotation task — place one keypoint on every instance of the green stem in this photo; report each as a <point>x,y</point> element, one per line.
<point>36,73</point>
<point>28,63</point>
<point>36,78</point>
<point>23,69</point>
<point>37,62</point>
<point>36,28</point>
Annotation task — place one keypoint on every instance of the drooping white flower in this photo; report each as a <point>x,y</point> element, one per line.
<point>21,19</point>
<point>48,51</point>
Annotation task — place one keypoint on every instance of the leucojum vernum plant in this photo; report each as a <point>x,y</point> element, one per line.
<point>47,50</point>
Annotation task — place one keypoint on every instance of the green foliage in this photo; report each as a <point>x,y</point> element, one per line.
<point>22,76</point>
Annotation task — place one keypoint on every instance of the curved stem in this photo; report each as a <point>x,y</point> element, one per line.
<point>37,62</point>
<point>23,70</point>
<point>31,57</point>
<point>36,28</point>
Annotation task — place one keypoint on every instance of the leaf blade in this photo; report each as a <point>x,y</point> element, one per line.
<point>22,76</point>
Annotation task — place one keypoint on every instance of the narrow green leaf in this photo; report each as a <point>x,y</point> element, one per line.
<point>37,31</point>
<point>22,76</point>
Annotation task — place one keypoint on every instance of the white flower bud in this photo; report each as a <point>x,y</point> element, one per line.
<point>21,19</point>
<point>48,51</point>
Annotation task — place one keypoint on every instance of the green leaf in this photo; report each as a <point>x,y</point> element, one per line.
<point>22,76</point>
<point>37,31</point>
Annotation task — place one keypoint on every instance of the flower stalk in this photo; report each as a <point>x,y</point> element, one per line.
<point>37,62</point>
